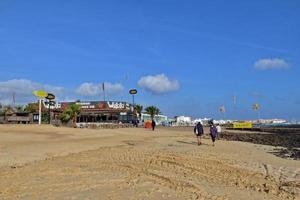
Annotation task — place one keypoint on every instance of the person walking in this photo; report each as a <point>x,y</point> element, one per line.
<point>219,130</point>
<point>213,133</point>
<point>153,124</point>
<point>198,130</point>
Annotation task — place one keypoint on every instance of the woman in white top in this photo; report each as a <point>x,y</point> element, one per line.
<point>219,130</point>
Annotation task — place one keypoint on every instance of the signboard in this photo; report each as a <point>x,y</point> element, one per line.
<point>40,93</point>
<point>133,91</point>
<point>242,125</point>
<point>99,105</point>
<point>52,103</point>
<point>50,96</point>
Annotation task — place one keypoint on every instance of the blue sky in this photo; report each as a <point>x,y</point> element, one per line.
<point>186,57</point>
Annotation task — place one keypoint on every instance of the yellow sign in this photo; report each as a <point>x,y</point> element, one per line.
<point>40,93</point>
<point>242,125</point>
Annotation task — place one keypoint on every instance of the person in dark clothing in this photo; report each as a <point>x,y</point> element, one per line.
<point>213,133</point>
<point>153,125</point>
<point>136,123</point>
<point>198,130</point>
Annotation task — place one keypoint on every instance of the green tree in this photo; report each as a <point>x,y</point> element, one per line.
<point>32,108</point>
<point>139,110</point>
<point>74,112</point>
<point>19,108</point>
<point>65,117</point>
<point>152,111</point>
<point>70,113</point>
<point>6,110</point>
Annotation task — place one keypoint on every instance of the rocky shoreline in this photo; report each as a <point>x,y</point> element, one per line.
<point>287,144</point>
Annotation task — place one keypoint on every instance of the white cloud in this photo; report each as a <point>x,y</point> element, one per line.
<point>92,89</point>
<point>23,88</point>
<point>158,84</point>
<point>271,63</point>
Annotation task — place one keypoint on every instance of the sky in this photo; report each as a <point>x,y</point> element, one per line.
<point>185,57</point>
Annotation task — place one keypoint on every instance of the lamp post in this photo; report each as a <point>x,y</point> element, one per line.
<point>256,108</point>
<point>50,99</point>
<point>133,92</point>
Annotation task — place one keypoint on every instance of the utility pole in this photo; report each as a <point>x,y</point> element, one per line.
<point>234,106</point>
<point>103,88</point>
<point>14,99</point>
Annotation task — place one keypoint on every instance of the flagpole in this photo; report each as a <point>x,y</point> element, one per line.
<point>103,88</point>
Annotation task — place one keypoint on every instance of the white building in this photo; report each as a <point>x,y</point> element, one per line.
<point>183,121</point>
<point>203,121</point>
<point>159,119</point>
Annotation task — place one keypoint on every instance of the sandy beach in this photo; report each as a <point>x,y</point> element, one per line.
<point>45,162</point>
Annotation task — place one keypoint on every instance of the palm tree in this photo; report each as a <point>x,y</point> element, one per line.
<point>139,109</point>
<point>70,113</point>
<point>152,111</point>
<point>74,110</point>
<point>65,117</point>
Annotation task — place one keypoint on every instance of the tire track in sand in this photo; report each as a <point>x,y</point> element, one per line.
<point>155,165</point>
<point>189,176</point>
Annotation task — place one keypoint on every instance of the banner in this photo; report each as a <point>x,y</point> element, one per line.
<point>242,125</point>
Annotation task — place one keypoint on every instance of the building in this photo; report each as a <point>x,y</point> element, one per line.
<point>183,121</point>
<point>14,116</point>
<point>99,111</point>
<point>159,119</point>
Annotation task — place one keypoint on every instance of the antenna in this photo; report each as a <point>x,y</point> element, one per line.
<point>14,99</point>
<point>234,105</point>
<point>103,88</point>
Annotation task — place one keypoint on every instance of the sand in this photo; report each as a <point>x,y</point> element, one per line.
<point>45,162</point>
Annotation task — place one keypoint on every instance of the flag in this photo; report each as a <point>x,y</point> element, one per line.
<point>256,107</point>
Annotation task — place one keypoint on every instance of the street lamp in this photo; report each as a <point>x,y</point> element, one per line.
<point>133,92</point>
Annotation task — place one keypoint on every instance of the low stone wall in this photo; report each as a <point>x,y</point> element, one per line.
<point>103,125</point>
<point>269,129</point>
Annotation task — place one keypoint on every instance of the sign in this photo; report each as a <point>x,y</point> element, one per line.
<point>99,105</point>
<point>50,96</point>
<point>116,105</point>
<point>86,105</point>
<point>133,91</point>
<point>242,125</point>
<point>52,103</point>
<point>40,93</point>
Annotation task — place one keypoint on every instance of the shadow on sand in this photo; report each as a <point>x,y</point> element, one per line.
<point>192,143</point>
